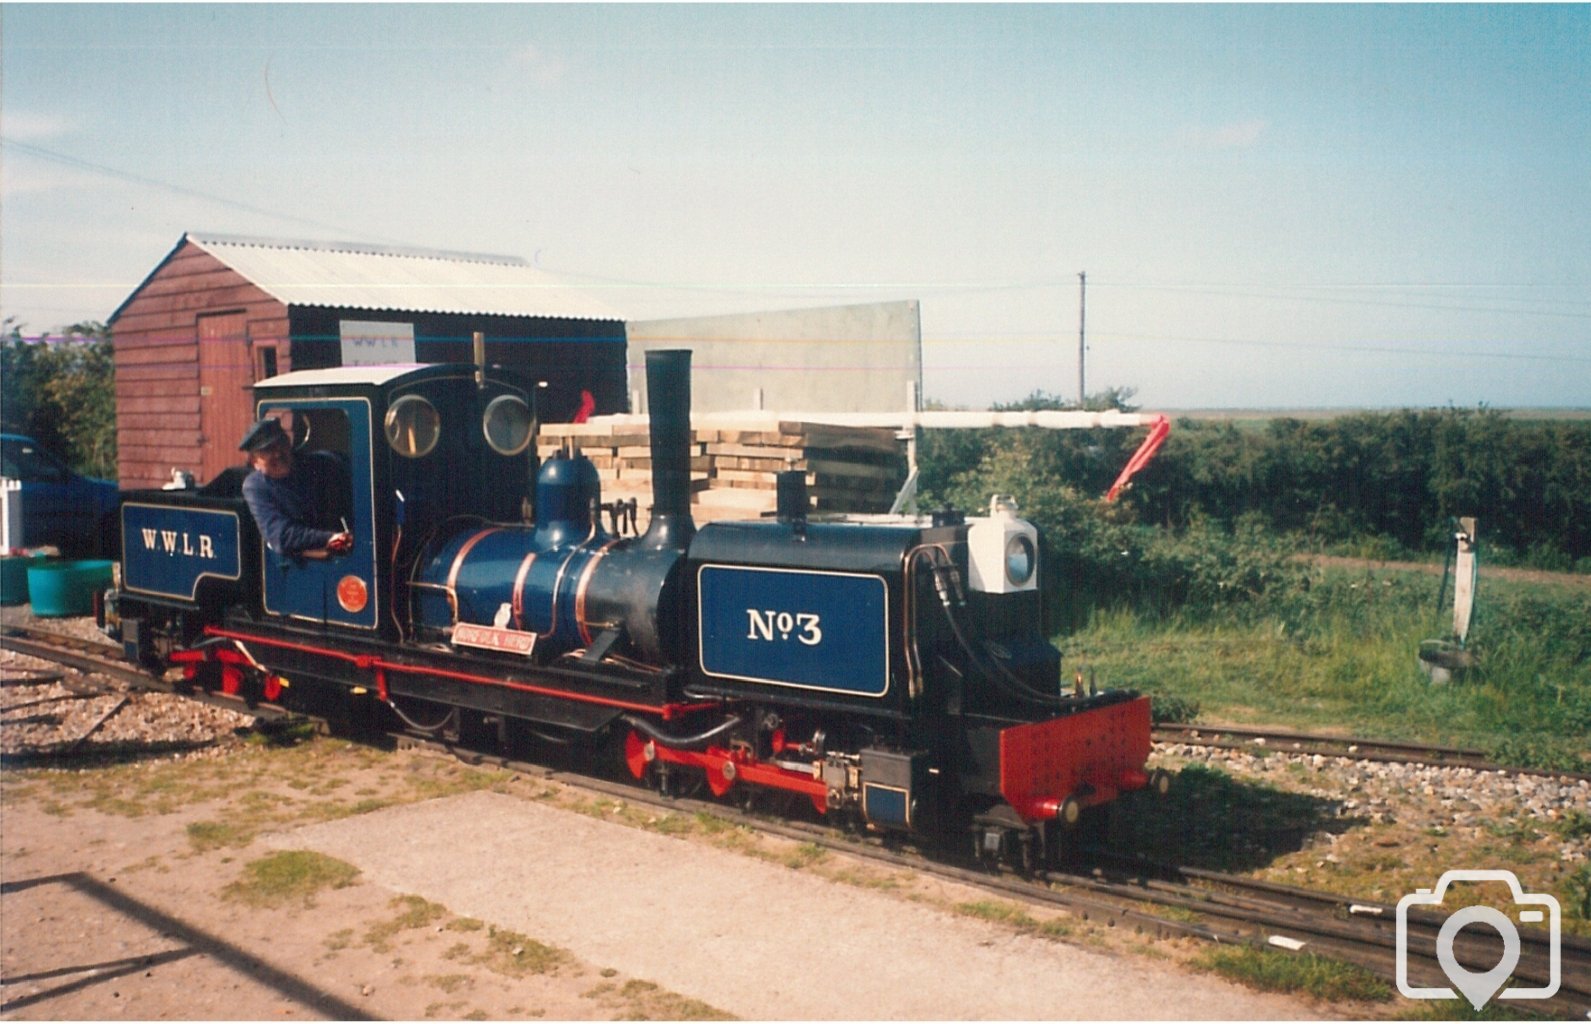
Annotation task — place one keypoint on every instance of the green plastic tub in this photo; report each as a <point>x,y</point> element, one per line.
<point>67,588</point>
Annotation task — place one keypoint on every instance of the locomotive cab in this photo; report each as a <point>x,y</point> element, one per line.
<point>403,449</point>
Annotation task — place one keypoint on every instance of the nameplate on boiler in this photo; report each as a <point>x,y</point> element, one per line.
<point>492,638</point>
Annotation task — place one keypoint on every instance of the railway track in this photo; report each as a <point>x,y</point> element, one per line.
<point>1157,899</point>
<point>89,657</point>
<point>1232,737</point>
<point>1364,932</point>
<point>94,671</point>
<point>86,656</point>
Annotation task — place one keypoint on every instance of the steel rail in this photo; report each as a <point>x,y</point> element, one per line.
<point>74,652</point>
<point>1284,741</point>
<point>29,678</point>
<point>1323,921</point>
<point>91,658</point>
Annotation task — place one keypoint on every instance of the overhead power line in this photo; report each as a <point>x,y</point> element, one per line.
<point>1288,293</point>
<point>1389,348</point>
<point>67,160</point>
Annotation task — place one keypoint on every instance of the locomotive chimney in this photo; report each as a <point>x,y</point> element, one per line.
<point>668,394</point>
<point>791,501</point>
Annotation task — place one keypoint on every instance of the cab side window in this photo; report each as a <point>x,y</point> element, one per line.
<point>321,447</point>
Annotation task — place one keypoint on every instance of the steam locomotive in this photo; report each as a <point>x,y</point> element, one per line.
<point>890,670</point>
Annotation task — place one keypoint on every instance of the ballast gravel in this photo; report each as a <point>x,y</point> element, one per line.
<point>764,941</point>
<point>44,719</point>
<point>1437,798</point>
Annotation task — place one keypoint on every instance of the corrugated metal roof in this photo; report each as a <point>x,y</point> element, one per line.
<point>354,275</point>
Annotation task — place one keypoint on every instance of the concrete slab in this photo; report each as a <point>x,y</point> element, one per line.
<point>754,939</point>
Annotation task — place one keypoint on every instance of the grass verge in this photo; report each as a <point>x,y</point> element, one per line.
<point>1318,977</point>
<point>1341,654</point>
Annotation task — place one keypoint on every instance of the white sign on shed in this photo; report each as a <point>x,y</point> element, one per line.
<point>373,343</point>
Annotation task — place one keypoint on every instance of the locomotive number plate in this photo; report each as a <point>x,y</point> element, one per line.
<point>792,627</point>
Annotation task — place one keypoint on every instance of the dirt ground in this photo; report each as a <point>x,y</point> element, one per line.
<point>123,900</point>
<point>1579,581</point>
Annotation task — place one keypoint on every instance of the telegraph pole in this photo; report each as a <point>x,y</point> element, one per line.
<point>1082,288</point>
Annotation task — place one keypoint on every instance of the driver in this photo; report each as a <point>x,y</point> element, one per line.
<point>284,497</point>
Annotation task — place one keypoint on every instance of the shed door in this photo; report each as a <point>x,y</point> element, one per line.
<point>226,372</point>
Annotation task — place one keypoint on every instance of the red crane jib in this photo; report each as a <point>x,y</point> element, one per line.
<point>1159,430</point>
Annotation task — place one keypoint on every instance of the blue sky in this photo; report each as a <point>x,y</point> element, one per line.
<point>1276,206</point>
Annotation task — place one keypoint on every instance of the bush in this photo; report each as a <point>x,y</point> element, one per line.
<point>1200,527</point>
<point>1398,476</point>
<point>1165,707</point>
<point>1096,554</point>
<point>62,393</point>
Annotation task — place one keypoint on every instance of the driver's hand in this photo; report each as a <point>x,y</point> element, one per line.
<point>340,543</point>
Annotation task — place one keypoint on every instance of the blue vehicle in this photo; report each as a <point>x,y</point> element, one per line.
<point>73,512</point>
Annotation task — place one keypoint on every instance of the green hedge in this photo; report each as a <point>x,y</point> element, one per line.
<point>1400,477</point>
<point>1388,482</point>
<point>1098,555</point>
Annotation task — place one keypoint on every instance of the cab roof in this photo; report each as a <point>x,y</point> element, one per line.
<point>361,376</point>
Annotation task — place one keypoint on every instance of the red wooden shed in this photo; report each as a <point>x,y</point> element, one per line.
<point>219,313</point>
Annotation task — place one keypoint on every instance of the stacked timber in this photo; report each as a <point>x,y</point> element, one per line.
<point>734,464</point>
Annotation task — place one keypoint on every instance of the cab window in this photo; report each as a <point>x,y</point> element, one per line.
<point>322,449</point>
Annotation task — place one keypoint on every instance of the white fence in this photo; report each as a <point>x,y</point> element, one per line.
<point>11,519</point>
